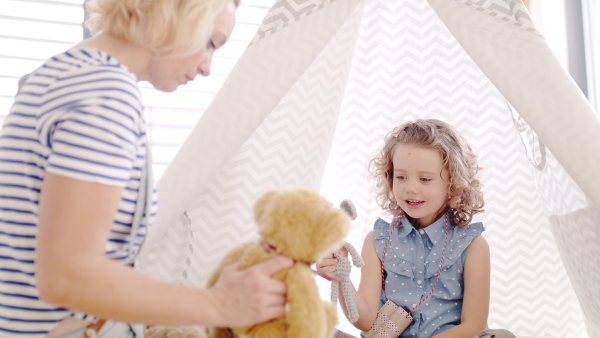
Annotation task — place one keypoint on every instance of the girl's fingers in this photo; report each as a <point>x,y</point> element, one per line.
<point>326,262</point>
<point>344,252</point>
<point>330,276</point>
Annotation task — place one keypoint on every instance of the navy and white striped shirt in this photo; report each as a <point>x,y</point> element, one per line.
<point>79,115</point>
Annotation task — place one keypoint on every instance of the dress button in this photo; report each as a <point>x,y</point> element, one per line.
<point>422,232</point>
<point>413,306</point>
<point>419,282</point>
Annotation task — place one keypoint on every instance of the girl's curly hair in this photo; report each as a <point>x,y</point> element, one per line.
<point>466,198</point>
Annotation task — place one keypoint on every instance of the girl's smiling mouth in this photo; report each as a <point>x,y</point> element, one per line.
<point>413,203</point>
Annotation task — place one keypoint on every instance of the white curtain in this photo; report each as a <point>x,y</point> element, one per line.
<point>310,100</point>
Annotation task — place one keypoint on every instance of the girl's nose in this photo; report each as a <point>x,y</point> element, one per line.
<point>412,187</point>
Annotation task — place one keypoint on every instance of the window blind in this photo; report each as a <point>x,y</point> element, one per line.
<point>30,32</point>
<point>33,30</point>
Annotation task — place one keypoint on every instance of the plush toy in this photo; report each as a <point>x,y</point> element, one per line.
<point>175,332</point>
<point>349,208</point>
<point>300,224</point>
<point>343,267</point>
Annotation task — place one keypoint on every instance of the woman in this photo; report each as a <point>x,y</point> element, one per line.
<point>72,173</point>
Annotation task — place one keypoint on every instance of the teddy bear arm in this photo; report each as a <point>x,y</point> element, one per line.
<point>309,315</point>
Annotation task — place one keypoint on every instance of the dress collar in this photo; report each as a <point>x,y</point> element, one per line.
<point>435,231</point>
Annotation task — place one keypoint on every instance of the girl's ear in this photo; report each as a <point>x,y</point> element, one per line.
<point>449,192</point>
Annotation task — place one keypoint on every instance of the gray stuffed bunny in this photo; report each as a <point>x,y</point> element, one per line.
<point>343,267</point>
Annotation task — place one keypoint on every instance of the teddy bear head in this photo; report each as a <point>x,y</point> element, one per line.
<point>300,223</point>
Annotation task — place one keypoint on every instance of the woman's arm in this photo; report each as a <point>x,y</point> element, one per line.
<point>476,301</point>
<point>369,290</point>
<point>72,272</point>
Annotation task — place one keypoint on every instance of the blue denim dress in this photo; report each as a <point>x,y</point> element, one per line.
<point>411,265</point>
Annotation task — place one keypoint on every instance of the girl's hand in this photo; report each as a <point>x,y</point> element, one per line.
<point>326,266</point>
<point>250,296</point>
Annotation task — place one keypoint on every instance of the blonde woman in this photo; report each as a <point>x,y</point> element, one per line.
<point>76,198</point>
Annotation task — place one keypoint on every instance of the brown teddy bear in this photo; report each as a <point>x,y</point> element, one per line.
<point>189,331</point>
<point>300,224</point>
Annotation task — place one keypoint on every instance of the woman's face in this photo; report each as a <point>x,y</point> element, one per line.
<point>166,74</point>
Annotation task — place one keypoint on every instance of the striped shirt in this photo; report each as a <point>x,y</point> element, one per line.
<point>79,115</point>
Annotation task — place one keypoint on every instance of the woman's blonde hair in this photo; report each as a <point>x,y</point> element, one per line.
<point>166,27</point>
<point>466,198</point>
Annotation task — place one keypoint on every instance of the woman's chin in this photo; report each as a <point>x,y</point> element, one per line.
<point>166,87</point>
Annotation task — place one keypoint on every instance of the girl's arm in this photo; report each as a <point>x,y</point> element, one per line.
<point>72,272</point>
<point>476,301</point>
<point>369,290</point>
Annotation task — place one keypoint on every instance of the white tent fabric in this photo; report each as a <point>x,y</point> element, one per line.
<point>310,100</point>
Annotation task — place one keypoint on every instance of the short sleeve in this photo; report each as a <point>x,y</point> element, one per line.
<point>462,237</point>
<point>91,122</point>
<point>381,230</point>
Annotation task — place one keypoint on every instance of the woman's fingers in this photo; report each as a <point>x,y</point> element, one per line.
<point>273,265</point>
<point>250,296</point>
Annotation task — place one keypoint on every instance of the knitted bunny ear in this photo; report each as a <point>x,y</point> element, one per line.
<point>349,208</point>
<point>357,259</point>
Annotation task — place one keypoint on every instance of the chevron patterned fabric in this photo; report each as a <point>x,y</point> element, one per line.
<point>284,13</point>
<point>238,142</point>
<point>512,11</point>
<point>308,105</point>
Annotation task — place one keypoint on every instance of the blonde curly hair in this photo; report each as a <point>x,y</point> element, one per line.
<point>466,198</point>
<point>167,27</point>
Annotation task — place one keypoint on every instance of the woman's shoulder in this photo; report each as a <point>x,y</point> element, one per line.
<point>86,68</point>
<point>89,77</point>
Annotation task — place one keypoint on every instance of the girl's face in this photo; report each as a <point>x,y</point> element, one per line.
<point>420,182</point>
<point>166,74</point>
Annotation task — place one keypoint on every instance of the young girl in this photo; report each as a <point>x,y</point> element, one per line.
<point>426,179</point>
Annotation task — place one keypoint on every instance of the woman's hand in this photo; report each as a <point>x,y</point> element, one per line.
<point>250,296</point>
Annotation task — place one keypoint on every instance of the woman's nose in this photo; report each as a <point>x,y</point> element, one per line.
<point>204,68</point>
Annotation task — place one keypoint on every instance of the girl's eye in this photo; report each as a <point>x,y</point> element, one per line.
<point>425,179</point>
<point>211,45</point>
<point>400,177</point>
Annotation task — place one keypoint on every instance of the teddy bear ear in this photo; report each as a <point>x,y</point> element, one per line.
<point>260,206</point>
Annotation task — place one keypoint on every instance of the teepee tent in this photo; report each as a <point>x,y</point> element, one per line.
<point>323,81</point>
